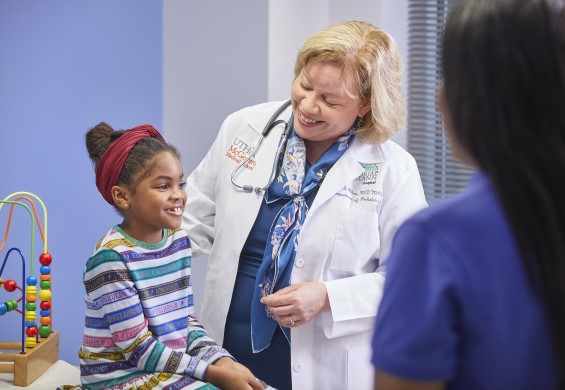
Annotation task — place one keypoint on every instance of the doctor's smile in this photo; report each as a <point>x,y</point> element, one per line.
<point>306,120</point>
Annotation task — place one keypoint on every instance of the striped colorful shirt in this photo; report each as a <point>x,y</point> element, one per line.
<point>140,327</point>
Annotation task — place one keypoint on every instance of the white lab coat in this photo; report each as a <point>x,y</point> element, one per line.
<point>344,241</point>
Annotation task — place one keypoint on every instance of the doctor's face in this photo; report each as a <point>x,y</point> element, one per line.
<point>323,109</point>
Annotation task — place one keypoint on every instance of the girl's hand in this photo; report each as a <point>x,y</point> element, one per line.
<point>226,362</point>
<point>231,376</point>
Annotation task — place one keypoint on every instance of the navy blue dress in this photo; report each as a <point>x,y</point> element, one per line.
<point>272,364</point>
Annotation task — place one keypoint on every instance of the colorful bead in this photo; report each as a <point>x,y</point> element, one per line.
<point>31,298</point>
<point>45,305</point>
<point>45,313</point>
<point>30,316</point>
<point>45,277</point>
<point>45,258</point>
<point>31,281</point>
<point>11,304</point>
<point>30,342</point>
<point>31,331</point>
<point>45,270</point>
<point>45,284</point>
<point>45,320</point>
<point>44,295</point>
<point>31,290</point>
<point>10,285</point>
<point>30,306</point>
<point>3,309</point>
<point>44,331</point>
<point>29,323</point>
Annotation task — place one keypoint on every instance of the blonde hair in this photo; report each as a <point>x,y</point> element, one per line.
<point>371,56</point>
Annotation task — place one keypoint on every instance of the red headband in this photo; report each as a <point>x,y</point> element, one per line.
<point>112,162</point>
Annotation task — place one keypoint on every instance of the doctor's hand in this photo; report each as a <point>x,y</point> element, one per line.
<point>297,304</point>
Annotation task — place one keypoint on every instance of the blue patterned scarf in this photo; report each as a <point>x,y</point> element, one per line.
<point>296,185</point>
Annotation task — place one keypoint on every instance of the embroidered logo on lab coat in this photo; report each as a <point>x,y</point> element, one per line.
<point>369,176</point>
<point>239,150</point>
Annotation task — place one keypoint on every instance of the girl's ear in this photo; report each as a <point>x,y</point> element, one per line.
<point>121,197</point>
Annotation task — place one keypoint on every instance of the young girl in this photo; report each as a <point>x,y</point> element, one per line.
<point>140,327</point>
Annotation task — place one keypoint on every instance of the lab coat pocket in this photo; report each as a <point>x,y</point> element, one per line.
<point>357,240</point>
<point>359,368</point>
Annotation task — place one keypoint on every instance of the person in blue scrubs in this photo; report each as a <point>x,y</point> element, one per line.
<point>475,292</point>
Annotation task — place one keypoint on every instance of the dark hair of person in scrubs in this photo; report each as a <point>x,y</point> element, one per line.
<point>508,115</point>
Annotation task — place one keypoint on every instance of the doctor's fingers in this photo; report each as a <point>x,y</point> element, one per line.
<point>280,298</point>
<point>280,310</point>
<point>288,316</point>
<point>289,321</point>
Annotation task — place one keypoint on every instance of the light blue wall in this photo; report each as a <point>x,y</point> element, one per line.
<point>65,66</point>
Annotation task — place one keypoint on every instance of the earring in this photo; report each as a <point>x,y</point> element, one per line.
<point>359,122</point>
<point>126,205</point>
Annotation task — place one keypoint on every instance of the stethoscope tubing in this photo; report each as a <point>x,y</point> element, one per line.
<point>271,123</point>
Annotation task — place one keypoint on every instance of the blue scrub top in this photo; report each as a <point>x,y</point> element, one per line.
<point>457,303</point>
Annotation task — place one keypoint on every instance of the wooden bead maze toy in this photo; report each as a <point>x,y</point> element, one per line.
<point>39,345</point>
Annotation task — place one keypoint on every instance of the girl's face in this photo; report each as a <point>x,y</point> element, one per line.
<point>158,201</point>
<point>323,109</point>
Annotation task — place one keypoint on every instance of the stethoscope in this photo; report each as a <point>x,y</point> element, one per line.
<point>273,121</point>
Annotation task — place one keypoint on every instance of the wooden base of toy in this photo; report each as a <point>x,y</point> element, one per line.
<point>29,366</point>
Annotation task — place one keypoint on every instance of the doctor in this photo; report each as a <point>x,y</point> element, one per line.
<point>296,267</point>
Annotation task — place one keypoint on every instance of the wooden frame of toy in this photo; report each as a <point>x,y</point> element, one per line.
<point>39,345</point>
